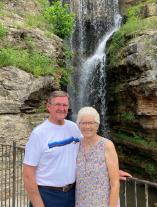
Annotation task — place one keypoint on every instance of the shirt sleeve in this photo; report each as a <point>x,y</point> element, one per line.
<point>32,150</point>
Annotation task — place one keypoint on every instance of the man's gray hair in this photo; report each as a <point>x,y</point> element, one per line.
<point>55,94</point>
<point>88,111</point>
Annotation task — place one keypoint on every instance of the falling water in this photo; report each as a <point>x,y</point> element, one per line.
<point>89,94</point>
<point>97,21</point>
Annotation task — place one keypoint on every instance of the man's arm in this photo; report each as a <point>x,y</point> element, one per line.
<point>124,175</point>
<point>31,186</point>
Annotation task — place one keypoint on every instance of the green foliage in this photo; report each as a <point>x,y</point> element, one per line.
<point>61,19</point>
<point>134,26</point>
<point>67,51</point>
<point>3,31</point>
<point>65,78</point>
<point>128,116</point>
<point>35,63</point>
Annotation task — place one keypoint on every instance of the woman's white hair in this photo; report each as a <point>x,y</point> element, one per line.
<point>88,111</point>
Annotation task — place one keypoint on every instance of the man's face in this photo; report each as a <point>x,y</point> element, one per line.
<point>58,109</point>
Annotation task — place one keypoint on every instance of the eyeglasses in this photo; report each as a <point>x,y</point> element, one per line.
<point>59,105</point>
<point>90,123</point>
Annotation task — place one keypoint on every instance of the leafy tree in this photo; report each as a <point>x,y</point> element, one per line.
<point>60,18</point>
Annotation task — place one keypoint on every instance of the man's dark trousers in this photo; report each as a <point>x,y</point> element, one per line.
<point>56,198</point>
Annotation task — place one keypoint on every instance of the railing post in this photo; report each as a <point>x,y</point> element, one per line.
<point>135,192</point>
<point>146,194</point>
<point>14,174</point>
<point>125,194</point>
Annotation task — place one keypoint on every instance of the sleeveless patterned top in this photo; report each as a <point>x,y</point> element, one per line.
<point>92,180</point>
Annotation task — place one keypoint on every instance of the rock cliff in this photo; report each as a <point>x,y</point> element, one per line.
<point>24,33</point>
<point>132,97</point>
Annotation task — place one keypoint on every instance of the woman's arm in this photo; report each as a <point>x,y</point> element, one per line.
<point>113,170</point>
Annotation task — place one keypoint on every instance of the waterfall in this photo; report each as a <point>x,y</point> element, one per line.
<point>96,22</point>
<point>90,93</point>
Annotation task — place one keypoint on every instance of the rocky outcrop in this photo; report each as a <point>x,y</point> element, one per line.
<point>18,88</point>
<point>21,98</point>
<point>23,95</point>
<point>132,98</point>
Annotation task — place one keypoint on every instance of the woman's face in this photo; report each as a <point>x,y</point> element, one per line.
<point>88,126</point>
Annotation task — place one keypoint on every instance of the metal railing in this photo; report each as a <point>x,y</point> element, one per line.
<point>12,193</point>
<point>134,192</point>
<point>138,193</point>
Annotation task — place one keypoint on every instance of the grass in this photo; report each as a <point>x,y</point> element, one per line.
<point>35,63</point>
<point>38,21</point>
<point>3,31</point>
<point>134,26</point>
<point>34,20</point>
<point>43,3</point>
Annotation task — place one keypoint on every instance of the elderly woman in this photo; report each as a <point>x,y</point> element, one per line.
<point>97,180</point>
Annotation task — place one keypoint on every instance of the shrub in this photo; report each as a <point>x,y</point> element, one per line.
<point>62,21</point>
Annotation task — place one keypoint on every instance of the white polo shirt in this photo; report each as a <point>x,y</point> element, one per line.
<point>53,150</point>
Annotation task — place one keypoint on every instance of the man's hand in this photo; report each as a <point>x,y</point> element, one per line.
<point>124,175</point>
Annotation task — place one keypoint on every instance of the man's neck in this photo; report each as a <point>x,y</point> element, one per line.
<point>57,122</point>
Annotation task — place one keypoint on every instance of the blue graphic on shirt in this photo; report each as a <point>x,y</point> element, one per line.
<point>63,142</point>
